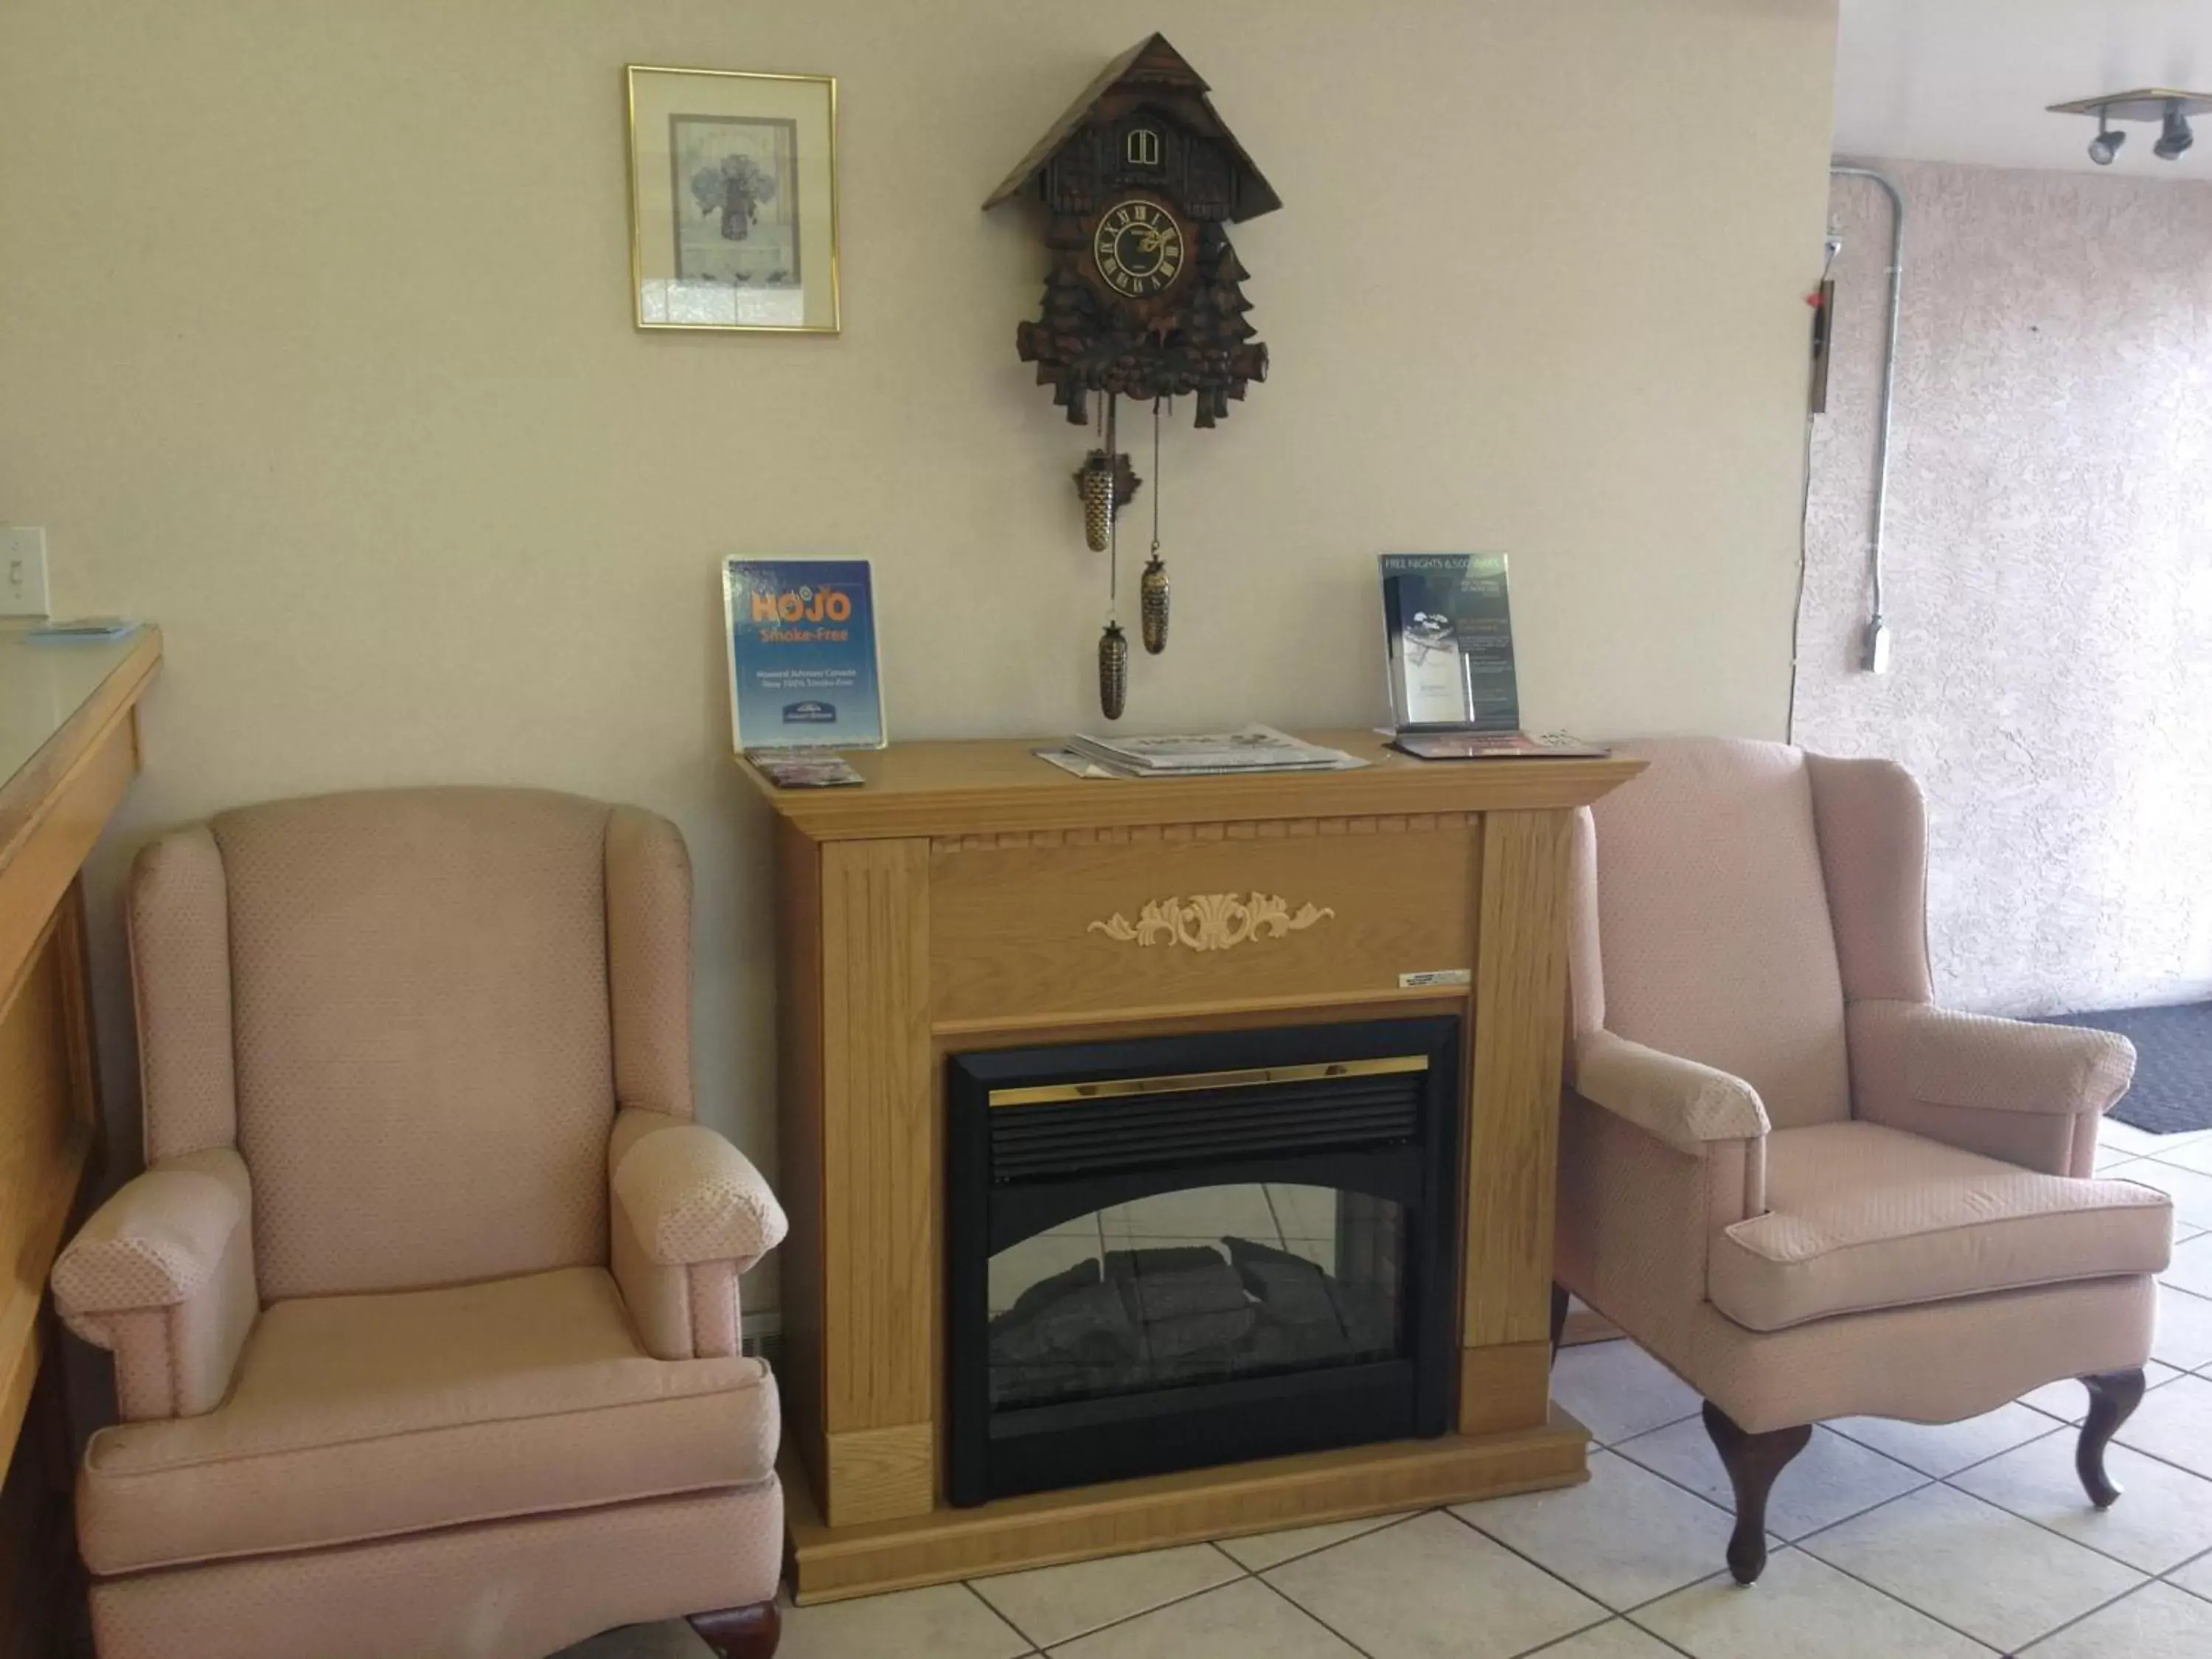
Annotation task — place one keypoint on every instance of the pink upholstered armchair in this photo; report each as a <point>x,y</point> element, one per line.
<point>1785,1172</point>
<point>425,1311</point>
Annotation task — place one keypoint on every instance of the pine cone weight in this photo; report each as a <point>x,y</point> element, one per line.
<point>1113,671</point>
<point>1155,605</point>
<point>1096,481</point>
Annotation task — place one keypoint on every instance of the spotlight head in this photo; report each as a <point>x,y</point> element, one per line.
<point>2174,137</point>
<point>2105,145</point>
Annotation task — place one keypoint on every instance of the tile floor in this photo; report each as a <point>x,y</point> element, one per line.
<point>1889,1539</point>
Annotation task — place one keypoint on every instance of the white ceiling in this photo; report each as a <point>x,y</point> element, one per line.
<point>1967,80</point>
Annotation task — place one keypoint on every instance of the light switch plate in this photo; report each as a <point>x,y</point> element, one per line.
<point>23,571</point>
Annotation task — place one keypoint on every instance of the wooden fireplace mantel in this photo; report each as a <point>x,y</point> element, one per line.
<point>971,895</point>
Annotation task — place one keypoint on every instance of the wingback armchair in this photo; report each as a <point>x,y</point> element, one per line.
<point>1802,1186</point>
<point>424,1312</point>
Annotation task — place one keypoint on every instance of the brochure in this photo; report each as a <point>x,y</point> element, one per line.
<point>804,672</point>
<point>1448,629</point>
<point>1247,748</point>
<point>1495,745</point>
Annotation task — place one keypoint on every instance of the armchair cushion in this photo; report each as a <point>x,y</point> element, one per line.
<point>360,1417</point>
<point>1683,1103</point>
<point>1862,1216</point>
<point>162,1274</point>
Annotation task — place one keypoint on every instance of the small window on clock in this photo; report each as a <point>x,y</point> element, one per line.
<point>1144,147</point>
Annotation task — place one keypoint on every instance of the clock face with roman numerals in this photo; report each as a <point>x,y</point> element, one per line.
<point>1139,248</point>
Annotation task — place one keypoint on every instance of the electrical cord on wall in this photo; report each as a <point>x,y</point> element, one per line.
<point>1834,246</point>
<point>1804,553</point>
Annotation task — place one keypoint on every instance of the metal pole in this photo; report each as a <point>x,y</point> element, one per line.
<point>1876,657</point>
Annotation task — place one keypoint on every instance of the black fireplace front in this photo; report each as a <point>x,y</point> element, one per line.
<point>1187,1250</point>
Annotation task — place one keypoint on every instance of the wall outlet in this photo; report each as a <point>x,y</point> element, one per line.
<point>23,571</point>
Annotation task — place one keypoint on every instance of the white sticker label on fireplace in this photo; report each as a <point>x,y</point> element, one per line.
<point>1436,976</point>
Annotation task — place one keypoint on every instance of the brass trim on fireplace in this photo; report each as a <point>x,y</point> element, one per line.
<point>1255,1078</point>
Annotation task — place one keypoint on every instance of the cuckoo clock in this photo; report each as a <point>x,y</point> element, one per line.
<point>1144,299</point>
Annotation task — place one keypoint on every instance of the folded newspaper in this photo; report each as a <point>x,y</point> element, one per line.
<point>1248,748</point>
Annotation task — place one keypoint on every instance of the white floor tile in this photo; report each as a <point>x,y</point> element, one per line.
<point>1803,1608</point>
<point>2111,1132</point>
<point>2174,1422</point>
<point>2192,1152</point>
<point>1617,1640</point>
<point>1052,1605</point>
<point>2196,1578</point>
<point>1831,1479</point>
<point>2189,1190</point>
<point>1195,1212</point>
<point>2164,1516</point>
<point>2156,1622</point>
<point>2191,1268</point>
<point>944,1621</point>
<point>1972,1565</point>
<point>1942,1449</point>
<point>2185,1329</point>
<point>2068,1401</point>
<point>1263,1550</point>
<point>1624,1537</point>
<point>1618,1390</point>
<point>2110,1158</point>
<point>1303,1211</point>
<point>1242,1620</point>
<point>1434,1589</point>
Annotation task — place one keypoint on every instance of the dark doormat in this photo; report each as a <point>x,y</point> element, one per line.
<point>2173,1091</point>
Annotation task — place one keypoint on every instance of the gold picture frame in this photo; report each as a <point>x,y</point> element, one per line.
<point>733,200</point>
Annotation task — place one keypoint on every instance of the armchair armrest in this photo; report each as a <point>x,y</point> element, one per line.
<point>689,1214</point>
<point>1680,1101</point>
<point>162,1275</point>
<point>2028,1093</point>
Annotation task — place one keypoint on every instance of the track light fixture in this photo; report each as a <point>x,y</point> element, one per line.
<point>2167,106</point>
<point>2176,136</point>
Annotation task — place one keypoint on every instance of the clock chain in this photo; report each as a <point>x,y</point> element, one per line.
<point>1154,588</point>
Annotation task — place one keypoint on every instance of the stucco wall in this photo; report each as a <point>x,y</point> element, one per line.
<point>2049,572</point>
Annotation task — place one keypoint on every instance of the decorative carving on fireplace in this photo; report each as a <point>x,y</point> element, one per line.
<point>1211,921</point>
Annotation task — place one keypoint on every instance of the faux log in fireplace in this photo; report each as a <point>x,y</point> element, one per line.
<point>1188,1250</point>
<point>971,916</point>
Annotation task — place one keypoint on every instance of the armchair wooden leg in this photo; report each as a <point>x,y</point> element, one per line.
<point>741,1632</point>
<point>1559,1316</point>
<point>2113,1397</point>
<point>1752,1461</point>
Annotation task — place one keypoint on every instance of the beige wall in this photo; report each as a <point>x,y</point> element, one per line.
<point>2048,572</point>
<point>314,345</point>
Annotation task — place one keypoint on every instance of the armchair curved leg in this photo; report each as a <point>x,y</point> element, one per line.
<point>741,1632</point>
<point>1752,1461</point>
<point>2113,1397</point>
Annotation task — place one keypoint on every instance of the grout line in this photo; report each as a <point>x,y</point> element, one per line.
<point>1035,1646</point>
<point>1909,1606</point>
<point>1923,1481</point>
<point>1308,1613</point>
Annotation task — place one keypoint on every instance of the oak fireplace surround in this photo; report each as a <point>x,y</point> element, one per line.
<point>970,899</point>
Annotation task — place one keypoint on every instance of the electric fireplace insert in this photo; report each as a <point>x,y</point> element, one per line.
<point>1195,1250</point>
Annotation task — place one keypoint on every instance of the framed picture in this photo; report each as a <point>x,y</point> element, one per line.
<point>734,200</point>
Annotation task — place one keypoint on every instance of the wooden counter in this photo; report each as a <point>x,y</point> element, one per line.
<point>971,895</point>
<point>68,747</point>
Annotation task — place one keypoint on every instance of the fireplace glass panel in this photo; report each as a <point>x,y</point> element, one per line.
<point>1201,1284</point>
